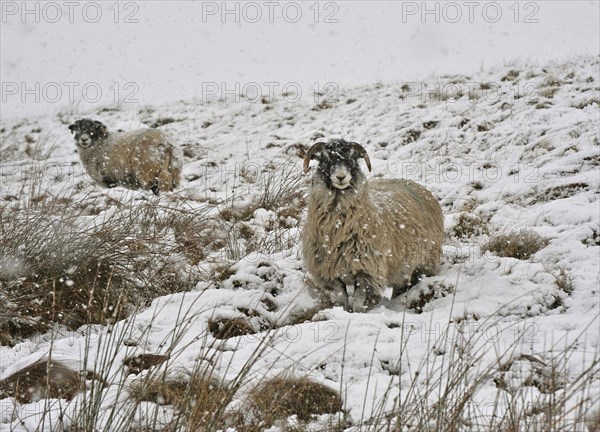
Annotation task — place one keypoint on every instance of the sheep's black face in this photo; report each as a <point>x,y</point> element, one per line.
<point>339,167</point>
<point>88,132</point>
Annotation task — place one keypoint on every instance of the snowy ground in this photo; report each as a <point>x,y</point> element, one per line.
<point>517,150</point>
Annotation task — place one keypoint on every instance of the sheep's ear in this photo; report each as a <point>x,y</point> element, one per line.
<point>311,153</point>
<point>101,130</point>
<point>73,127</point>
<point>362,153</point>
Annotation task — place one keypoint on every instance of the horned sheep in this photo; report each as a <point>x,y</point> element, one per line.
<point>139,159</point>
<point>366,234</point>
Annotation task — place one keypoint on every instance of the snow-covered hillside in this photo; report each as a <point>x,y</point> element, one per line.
<point>505,151</point>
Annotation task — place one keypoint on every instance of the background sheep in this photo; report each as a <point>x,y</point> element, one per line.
<point>143,158</point>
<point>366,234</point>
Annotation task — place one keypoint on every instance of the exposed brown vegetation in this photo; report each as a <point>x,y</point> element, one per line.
<point>279,397</point>
<point>42,380</point>
<point>411,136</point>
<point>427,294</point>
<point>593,239</point>
<point>196,398</point>
<point>138,363</point>
<point>282,196</point>
<point>563,280</point>
<point>520,244</point>
<point>468,225</point>
<point>587,102</point>
<point>511,75</point>
<point>225,328</point>
<point>56,269</point>
<point>562,191</point>
<point>593,421</point>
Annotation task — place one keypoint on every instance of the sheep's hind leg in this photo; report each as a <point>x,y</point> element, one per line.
<point>399,289</point>
<point>425,270</point>
<point>367,294</point>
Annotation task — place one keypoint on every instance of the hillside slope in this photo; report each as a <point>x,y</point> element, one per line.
<point>508,151</point>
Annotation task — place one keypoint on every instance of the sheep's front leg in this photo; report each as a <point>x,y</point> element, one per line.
<point>336,294</point>
<point>155,186</point>
<point>108,182</point>
<point>155,189</point>
<point>367,293</point>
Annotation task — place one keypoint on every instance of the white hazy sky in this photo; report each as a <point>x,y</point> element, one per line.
<point>176,50</point>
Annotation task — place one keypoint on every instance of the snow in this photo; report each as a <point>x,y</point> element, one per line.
<point>504,153</point>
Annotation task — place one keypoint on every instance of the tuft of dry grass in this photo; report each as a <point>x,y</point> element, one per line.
<point>159,391</point>
<point>469,205</point>
<point>548,92</point>
<point>138,363</point>
<point>444,400</point>
<point>511,75</point>
<point>446,95</point>
<point>200,400</point>
<point>484,126</point>
<point>221,272</point>
<point>283,198</point>
<point>546,378</point>
<point>323,105</point>
<point>593,421</point>
<point>59,265</point>
<point>595,100</point>
<point>563,279</point>
<point>196,398</point>
<point>438,289</point>
<point>252,322</point>
<point>521,244</point>
<point>562,191</point>
<point>194,395</point>
<point>225,328</point>
<point>57,272</point>
<point>280,397</point>
<point>44,379</point>
<point>281,193</point>
<point>593,239</point>
<point>197,237</point>
<point>203,402</point>
<point>468,225</point>
<point>411,135</point>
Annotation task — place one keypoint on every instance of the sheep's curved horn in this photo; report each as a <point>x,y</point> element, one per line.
<point>363,153</point>
<point>310,153</point>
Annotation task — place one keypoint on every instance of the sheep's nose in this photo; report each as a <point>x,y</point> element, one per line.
<point>341,177</point>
